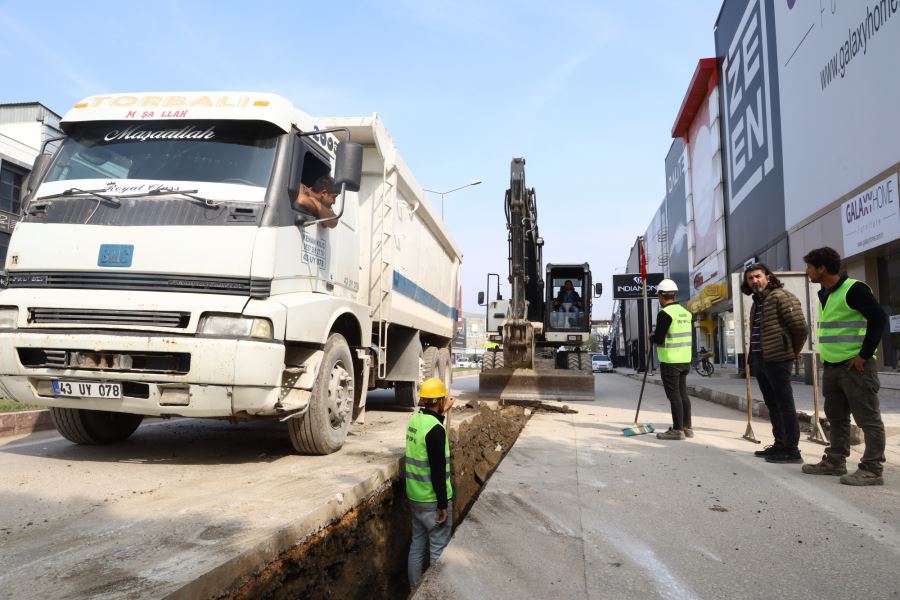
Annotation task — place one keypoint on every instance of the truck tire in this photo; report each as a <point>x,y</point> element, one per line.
<point>488,360</point>
<point>431,363</point>
<point>94,427</point>
<point>444,367</point>
<point>323,428</point>
<point>406,393</point>
<point>499,361</point>
<point>573,361</point>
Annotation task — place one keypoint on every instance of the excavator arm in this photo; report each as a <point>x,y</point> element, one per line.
<point>526,306</point>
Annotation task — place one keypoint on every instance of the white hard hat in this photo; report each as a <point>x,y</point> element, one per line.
<point>667,285</point>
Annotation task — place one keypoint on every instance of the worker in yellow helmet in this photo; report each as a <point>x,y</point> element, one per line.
<point>428,486</point>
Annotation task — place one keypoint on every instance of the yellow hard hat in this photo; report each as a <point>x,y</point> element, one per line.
<point>433,388</point>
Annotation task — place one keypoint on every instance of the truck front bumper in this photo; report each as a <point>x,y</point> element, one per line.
<point>225,377</point>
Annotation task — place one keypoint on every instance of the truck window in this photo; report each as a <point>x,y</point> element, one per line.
<point>306,169</point>
<point>170,151</point>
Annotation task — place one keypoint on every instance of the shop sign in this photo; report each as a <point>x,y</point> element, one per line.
<point>895,323</point>
<point>629,286</point>
<point>706,275</point>
<point>871,218</point>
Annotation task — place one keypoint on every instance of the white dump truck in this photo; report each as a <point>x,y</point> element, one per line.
<point>164,266</point>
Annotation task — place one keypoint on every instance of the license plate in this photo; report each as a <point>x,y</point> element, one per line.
<point>86,389</point>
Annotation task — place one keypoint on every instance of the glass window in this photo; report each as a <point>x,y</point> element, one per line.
<point>4,246</point>
<point>567,306</point>
<point>207,151</point>
<point>10,186</point>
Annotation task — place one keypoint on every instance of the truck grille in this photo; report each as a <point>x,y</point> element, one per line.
<point>146,318</point>
<point>178,363</point>
<point>151,282</point>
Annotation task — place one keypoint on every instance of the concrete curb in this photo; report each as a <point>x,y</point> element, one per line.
<point>716,396</point>
<point>24,422</point>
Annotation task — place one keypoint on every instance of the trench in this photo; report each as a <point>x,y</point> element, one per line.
<point>364,553</point>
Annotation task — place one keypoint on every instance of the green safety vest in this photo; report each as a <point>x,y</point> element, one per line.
<point>677,347</point>
<point>418,470</point>
<point>841,328</point>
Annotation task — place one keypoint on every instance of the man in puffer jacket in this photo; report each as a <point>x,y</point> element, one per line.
<point>777,333</point>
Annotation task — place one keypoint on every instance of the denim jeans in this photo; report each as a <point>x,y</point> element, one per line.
<point>674,378</point>
<point>426,536</point>
<point>849,392</point>
<point>774,378</point>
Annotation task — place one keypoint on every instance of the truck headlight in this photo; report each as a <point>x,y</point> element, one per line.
<point>236,326</point>
<point>9,317</point>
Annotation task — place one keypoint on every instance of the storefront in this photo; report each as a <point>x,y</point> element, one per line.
<point>841,141</point>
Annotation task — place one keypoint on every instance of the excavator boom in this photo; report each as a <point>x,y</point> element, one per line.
<point>513,372</point>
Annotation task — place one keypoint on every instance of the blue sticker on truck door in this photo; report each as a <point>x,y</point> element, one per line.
<point>115,255</point>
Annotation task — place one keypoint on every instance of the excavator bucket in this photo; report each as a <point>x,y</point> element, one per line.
<point>530,384</point>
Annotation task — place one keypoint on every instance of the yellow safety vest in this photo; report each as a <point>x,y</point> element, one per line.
<point>418,469</point>
<point>677,346</point>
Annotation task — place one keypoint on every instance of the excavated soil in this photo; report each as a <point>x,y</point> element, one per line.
<point>363,555</point>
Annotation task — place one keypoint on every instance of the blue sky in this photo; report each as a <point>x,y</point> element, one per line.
<point>586,91</point>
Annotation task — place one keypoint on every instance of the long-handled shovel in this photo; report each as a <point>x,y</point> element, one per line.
<point>816,434</point>
<point>748,434</point>
<point>636,429</point>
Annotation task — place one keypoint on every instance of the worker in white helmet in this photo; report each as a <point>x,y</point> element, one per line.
<point>674,345</point>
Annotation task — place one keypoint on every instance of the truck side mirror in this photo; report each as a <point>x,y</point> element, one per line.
<point>348,166</point>
<point>34,177</point>
<point>598,289</point>
<point>480,298</point>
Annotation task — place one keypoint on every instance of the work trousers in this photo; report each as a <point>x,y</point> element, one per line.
<point>774,378</point>
<point>849,392</point>
<point>427,536</point>
<point>674,378</point>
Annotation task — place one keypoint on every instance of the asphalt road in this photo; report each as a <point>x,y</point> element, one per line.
<point>577,510</point>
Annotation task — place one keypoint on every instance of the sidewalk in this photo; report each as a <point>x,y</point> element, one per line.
<point>729,390</point>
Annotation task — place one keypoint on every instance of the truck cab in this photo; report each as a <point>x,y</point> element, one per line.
<point>164,266</point>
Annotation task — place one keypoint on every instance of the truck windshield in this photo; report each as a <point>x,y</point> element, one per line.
<point>219,152</point>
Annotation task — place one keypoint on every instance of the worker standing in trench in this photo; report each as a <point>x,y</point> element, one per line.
<point>428,486</point>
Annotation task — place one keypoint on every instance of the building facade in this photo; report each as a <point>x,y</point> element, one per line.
<point>786,141</point>
<point>23,130</point>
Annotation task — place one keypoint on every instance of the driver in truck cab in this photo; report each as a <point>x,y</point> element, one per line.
<point>318,199</point>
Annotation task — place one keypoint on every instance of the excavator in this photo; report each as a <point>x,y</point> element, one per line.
<point>538,351</point>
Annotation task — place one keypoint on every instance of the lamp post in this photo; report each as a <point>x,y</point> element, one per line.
<point>442,194</point>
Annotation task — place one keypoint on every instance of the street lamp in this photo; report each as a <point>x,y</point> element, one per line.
<point>442,194</point>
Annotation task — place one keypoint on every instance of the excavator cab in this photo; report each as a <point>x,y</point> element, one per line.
<point>568,302</point>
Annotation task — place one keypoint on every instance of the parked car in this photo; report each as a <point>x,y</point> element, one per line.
<point>600,363</point>
<point>464,363</point>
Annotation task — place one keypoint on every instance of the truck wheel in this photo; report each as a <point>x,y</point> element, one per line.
<point>406,393</point>
<point>488,360</point>
<point>323,428</point>
<point>94,427</point>
<point>573,361</point>
<point>499,361</point>
<point>444,367</point>
<point>431,363</point>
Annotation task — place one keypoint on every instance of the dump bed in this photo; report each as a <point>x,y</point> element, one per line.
<point>409,263</point>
